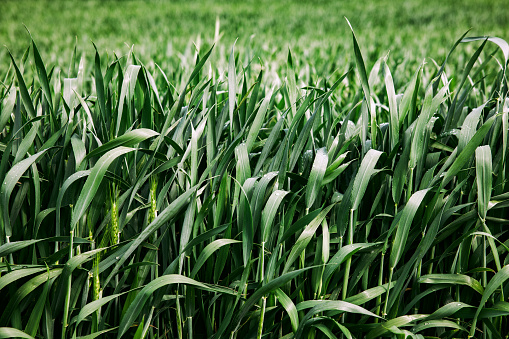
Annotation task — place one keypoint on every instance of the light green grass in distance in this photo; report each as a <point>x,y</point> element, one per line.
<point>160,30</point>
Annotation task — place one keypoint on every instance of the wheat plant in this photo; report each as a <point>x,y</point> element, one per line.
<point>246,203</point>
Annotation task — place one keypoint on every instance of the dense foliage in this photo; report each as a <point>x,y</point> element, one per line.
<point>246,201</point>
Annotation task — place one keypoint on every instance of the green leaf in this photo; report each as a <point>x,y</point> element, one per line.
<point>95,305</point>
<point>142,297</point>
<point>23,291</point>
<point>265,289</point>
<point>10,180</point>
<point>9,332</point>
<point>289,306</point>
<point>483,169</point>
<point>437,324</point>
<point>305,238</point>
<point>269,212</point>
<point>454,279</point>
<point>316,176</point>
<point>129,139</point>
<point>492,286</point>
<point>394,121</point>
<point>43,76</point>
<point>94,181</point>
<point>403,226</point>
<point>468,151</point>
<point>396,322</point>
<point>18,274</point>
<point>208,251</point>
<point>332,305</point>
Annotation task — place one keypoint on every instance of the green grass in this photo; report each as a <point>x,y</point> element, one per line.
<point>315,30</point>
<point>330,191</point>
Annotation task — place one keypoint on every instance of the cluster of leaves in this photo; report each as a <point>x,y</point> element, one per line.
<point>199,205</point>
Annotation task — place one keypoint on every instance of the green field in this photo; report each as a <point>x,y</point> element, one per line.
<point>254,169</point>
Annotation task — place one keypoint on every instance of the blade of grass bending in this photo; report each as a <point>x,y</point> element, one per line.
<point>328,332</point>
<point>442,68</point>
<point>422,249</point>
<point>265,289</point>
<point>289,307</point>
<point>397,322</point>
<point>343,254</point>
<point>468,151</point>
<point>437,323</point>
<point>25,96</point>
<point>7,108</point>
<point>208,251</point>
<point>483,169</point>
<point>430,105</point>
<point>24,291</point>
<point>394,120</point>
<point>269,213</point>
<point>96,334</point>
<point>245,219</point>
<point>447,310</point>
<point>95,305</point>
<point>70,180</point>
<point>504,46</point>
<point>403,228</point>
<point>43,76</point>
<point>332,305</point>
<point>12,247</point>
<point>9,332</point>
<point>26,142</point>
<point>359,61</point>
<point>316,177</point>
<point>408,103</point>
<point>455,279</point>
<point>369,294</point>
<point>10,180</point>
<point>129,139</point>
<point>258,121</point>
<point>34,321</point>
<point>69,267</point>
<point>452,108</point>
<point>492,286</point>
<point>126,93</point>
<point>94,181</point>
<point>99,82</point>
<point>18,274</point>
<point>361,180</point>
<point>305,238</point>
<point>142,297</point>
<point>469,127</point>
<point>258,197</point>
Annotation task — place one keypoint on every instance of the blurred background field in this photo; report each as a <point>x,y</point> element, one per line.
<point>162,30</point>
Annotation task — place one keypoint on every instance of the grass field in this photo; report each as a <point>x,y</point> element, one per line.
<point>301,182</point>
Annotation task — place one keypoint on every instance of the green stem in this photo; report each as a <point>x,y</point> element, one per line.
<point>391,271</point>
<point>410,184</point>
<point>349,260</point>
<point>262,315</point>
<point>380,283</point>
<point>68,294</point>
